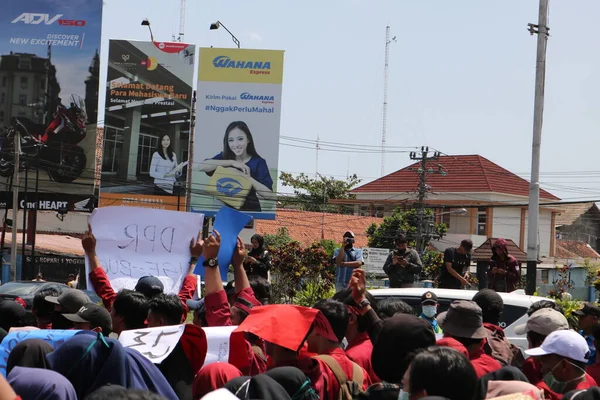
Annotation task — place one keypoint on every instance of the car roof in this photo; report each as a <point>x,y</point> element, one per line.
<point>517,298</point>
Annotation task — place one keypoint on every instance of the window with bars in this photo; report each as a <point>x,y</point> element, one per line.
<point>146,148</point>
<point>112,149</point>
<point>481,221</point>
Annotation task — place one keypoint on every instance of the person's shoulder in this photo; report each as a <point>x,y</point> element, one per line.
<point>450,250</point>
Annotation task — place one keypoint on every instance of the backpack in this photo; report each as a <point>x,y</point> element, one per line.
<point>349,389</point>
<point>499,348</point>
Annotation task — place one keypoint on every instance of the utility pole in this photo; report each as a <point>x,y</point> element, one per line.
<point>385,95</point>
<point>423,171</point>
<point>13,243</point>
<point>541,29</point>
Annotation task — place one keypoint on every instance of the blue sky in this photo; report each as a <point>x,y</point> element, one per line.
<point>461,77</point>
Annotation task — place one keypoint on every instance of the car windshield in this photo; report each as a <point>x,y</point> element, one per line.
<point>20,289</point>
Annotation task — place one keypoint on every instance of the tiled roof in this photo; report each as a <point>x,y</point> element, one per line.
<point>305,227</point>
<point>574,249</point>
<point>570,212</point>
<point>48,243</point>
<point>465,174</point>
<point>484,252</point>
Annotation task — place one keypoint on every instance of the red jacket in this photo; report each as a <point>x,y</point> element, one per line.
<point>532,370</point>
<point>359,351</point>
<point>105,291</point>
<point>219,314</point>
<point>483,363</point>
<point>510,266</point>
<point>594,371</point>
<point>587,383</point>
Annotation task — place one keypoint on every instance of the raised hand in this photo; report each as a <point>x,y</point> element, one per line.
<point>88,242</point>
<point>196,246</point>
<point>212,245</point>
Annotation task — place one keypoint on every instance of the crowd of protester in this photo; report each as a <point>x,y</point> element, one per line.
<point>350,346</point>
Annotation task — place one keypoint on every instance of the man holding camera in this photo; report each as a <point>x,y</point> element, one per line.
<point>402,264</point>
<point>346,259</point>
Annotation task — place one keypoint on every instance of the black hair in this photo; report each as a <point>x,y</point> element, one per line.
<point>467,244</point>
<point>401,238</point>
<point>261,288</point>
<point>160,150</point>
<point>491,305</point>
<point>467,342</point>
<point>337,314</point>
<point>115,392</point>
<point>580,364</point>
<point>387,308</point>
<point>260,239</point>
<point>43,308</point>
<point>455,377</point>
<point>251,150</point>
<point>167,306</point>
<point>538,305</point>
<point>596,333</point>
<point>535,338</point>
<point>200,313</point>
<point>133,307</point>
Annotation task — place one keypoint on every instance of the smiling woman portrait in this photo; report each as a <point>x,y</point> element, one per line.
<point>239,155</point>
<point>161,167</point>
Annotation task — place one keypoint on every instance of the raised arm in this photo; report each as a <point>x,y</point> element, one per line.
<point>98,277</point>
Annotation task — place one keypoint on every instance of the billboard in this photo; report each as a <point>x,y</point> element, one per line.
<point>236,150</point>
<point>49,76</point>
<point>147,124</point>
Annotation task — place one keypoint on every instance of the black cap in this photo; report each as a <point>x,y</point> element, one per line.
<point>230,288</point>
<point>429,297</point>
<point>348,234</point>
<point>195,304</point>
<point>149,286</point>
<point>70,300</point>
<point>95,315</point>
<point>588,309</point>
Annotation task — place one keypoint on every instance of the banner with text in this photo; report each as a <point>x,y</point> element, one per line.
<point>134,242</point>
<point>147,124</point>
<point>374,260</point>
<point>49,77</point>
<point>236,152</point>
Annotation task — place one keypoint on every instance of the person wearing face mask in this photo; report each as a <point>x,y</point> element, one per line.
<point>563,356</point>
<point>429,308</point>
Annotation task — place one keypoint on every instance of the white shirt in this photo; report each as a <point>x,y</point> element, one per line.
<point>159,167</point>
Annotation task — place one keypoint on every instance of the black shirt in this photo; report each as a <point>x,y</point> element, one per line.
<point>459,263</point>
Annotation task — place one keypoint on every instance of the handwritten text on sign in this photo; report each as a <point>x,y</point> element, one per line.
<point>153,343</point>
<point>135,242</point>
<point>53,337</point>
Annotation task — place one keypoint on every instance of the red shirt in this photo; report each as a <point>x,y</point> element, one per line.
<point>594,371</point>
<point>359,351</point>
<point>483,363</point>
<point>219,314</point>
<point>587,383</point>
<point>532,370</point>
<point>105,291</point>
<point>45,326</point>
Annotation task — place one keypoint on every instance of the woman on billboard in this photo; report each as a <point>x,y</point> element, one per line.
<point>239,155</point>
<point>163,168</point>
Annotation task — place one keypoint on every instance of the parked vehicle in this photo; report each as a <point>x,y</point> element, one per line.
<point>515,305</point>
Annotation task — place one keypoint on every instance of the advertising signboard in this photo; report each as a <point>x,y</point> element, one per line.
<point>374,260</point>
<point>236,150</point>
<point>49,76</point>
<point>147,124</point>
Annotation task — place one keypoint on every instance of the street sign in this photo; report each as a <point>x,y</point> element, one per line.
<point>374,259</point>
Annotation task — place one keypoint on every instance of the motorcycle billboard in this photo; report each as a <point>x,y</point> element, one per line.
<point>49,77</point>
<point>236,150</point>
<point>147,124</point>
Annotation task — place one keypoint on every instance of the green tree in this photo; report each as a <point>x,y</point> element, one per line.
<point>281,238</point>
<point>312,194</point>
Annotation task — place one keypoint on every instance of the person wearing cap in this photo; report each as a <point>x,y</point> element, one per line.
<point>429,308</point>
<point>504,270</point>
<point>497,345</point>
<point>199,311</point>
<point>91,317</point>
<point>539,325</point>
<point>456,260</point>
<point>346,258</point>
<point>563,355</point>
<point>402,264</point>
<point>588,317</point>
<point>464,322</point>
<point>594,370</point>
<point>69,302</point>
<point>149,286</point>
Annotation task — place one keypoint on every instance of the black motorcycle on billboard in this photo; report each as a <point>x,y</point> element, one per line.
<point>53,147</point>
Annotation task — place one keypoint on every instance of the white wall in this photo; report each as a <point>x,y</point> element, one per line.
<point>544,232</point>
<point>460,224</point>
<point>506,223</point>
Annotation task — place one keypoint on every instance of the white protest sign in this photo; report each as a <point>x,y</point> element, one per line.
<point>134,242</point>
<point>218,339</point>
<point>153,343</point>
<point>374,259</point>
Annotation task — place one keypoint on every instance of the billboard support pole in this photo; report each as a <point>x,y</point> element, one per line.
<point>4,225</point>
<point>190,165</point>
<point>17,163</point>
<point>23,233</point>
